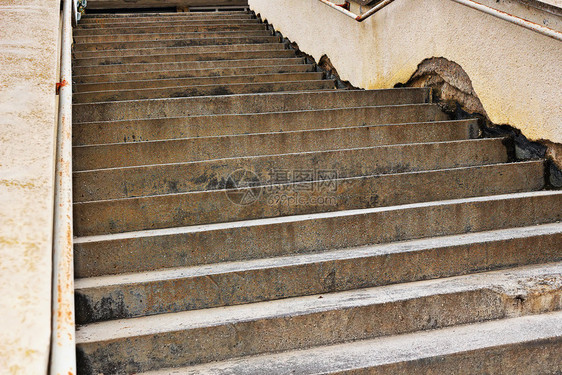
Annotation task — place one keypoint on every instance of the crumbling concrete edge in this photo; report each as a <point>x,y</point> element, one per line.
<point>452,90</point>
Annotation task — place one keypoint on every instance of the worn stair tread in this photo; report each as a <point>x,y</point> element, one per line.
<point>171,43</point>
<point>261,163</point>
<point>166,28</point>
<point>186,82</point>
<point>235,283</point>
<point>188,65</point>
<point>124,131</point>
<point>378,250</point>
<point>218,24</point>
<point>159,209</point>
<point>281,200</point>
<point>90,62</point>
<point>420,351</point>
<point>191,73</point>
<point>156,36</point>
<point>194,84</point>
<point>107,21</point>
<point>302,218</point>
<point>268,237</point>
<point>182,42</point>
<point>161,21</point>
<point>152,51</point>
<point>144,17</point>
<point>442,124</point>
<point>151,14</point>
<point>204,90</point>
<point>245,103</point>
<point>509,282</point>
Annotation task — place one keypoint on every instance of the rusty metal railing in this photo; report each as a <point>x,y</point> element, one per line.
<point>63,347</point>
<point>469,3</point>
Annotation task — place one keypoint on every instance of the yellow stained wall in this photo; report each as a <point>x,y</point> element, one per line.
<point>516,73</point>
<point>29,32</point>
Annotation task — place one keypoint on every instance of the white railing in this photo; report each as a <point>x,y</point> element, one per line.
<point>469,3</point>
<point>63,347</point>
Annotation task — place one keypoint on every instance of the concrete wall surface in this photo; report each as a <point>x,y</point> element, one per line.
<point>29,34</point>
<point>515,72</point>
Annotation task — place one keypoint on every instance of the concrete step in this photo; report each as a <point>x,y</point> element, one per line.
<point>155,21</point>
<point>102,18</point>
<point>185,82</point>
<point>179,50</point>
<point>164,17</point>
<point>127,37</point>
<point>192,73</point>
<point>166,28</point>
<point>250,103</point>
<point>275,143</point>
<point>163,14</point>
<point>244,240</point>
<point>204,90</point>
<point>269,122</point>
<point>182,65</point>
<point>181,42</point>
<point>184,57</point>
<point>235,283</point>
<point>187,25</point>
<point>336,194</point>
<point>517,346</point>
<point>352,162</point>
<point>194,337</point>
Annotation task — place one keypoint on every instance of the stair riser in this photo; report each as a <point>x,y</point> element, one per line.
<point>107,21</point>
<point>178,107</point>
<point>179,50</point>
<point>268,239</point>
<point>209,148</point>
<point>255,285</point>
<point>203,126</point>
<point>208,56</point>
<point>215,343</point>
<point>116,38</point>
<point>145,84</point>
<point>164,14</point>
<point>181,42</point>
<point>194,73</point>
<point>184,65</point>
<point>171,27</point>
<point>165,22</point>
<point>212,174</point>
<point>203,90</point>
<point>86,29</point>
<point>535,357</point>
<point>381,191</point>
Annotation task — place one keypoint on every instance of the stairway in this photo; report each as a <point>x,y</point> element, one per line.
<point>235,213</point>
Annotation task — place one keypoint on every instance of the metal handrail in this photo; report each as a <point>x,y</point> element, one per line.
<point>469,3</point>
<point>63,343</point>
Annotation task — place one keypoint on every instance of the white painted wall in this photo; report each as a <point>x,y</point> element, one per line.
<point>29,33</point>
<point>516,73</point>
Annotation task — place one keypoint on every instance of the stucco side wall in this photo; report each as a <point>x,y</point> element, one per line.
<point>516,73</point>
<point>28,72</point>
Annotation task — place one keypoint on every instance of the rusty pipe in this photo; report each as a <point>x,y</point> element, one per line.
<point>339,8</point>
<point>63,347</point>
<point>513,19</point>
<point>373,10</point>
<point>469,3</point>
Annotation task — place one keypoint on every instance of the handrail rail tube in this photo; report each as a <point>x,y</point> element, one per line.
<point>63,347</point>
<point>469,3</point>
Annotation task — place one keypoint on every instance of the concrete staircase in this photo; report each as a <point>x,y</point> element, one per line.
<point>236,214</point>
